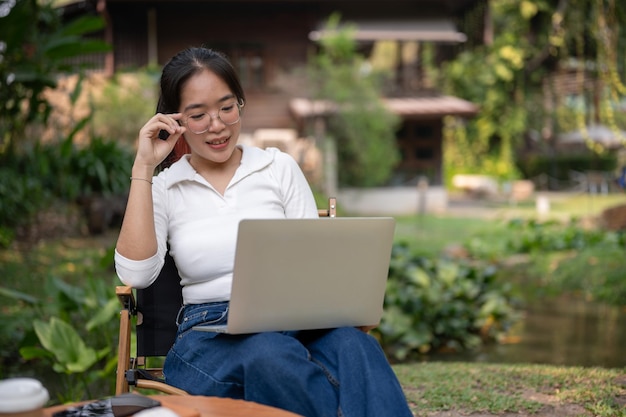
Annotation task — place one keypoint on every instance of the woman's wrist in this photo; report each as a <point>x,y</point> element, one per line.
<point>142,171</point>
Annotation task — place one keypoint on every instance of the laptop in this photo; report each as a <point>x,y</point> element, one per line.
<point>301,274</point>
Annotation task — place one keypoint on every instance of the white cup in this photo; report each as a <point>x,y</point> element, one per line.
<point>22,397</point>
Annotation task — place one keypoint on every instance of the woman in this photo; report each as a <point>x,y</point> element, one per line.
<point>194,204</point>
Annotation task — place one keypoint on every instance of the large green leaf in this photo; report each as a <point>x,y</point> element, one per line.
<point>34,352</point>
<point>105,314</point>
<point>16,295</point>
<point>69,349</point>
<point>75,47</point>
<point>72,292</point>
<point>84,25</point>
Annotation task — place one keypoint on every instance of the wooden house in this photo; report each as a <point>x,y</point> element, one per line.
<point>268,40</point>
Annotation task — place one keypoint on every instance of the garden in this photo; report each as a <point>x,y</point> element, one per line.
<point>453,288</point>
<point>457,284</point>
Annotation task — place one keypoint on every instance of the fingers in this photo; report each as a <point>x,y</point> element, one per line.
<point>157,138</point>
<point>162,126</point>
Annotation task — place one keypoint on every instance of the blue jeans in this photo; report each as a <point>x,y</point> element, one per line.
<point>335,372</point>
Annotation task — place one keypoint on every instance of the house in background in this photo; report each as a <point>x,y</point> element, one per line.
<point>268,40</point>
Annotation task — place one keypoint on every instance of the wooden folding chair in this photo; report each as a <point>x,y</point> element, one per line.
<point>154,311</point>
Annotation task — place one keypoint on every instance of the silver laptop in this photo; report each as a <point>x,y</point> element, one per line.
<point>299,274</point>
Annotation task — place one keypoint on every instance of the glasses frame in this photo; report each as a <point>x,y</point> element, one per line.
<point>239,104</point>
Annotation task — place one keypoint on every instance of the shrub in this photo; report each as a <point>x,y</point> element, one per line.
<point>34,178</point>
<point>529,235</point>
<point>432,305</point>
<point>71,331</point>
<point>560,166</point>
<point>562,257</point>
<point>21,196</point>
<point>126,103</point>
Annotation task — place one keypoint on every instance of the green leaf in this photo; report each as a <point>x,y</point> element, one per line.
<point>16,295</point>
<point>84,25</point>
<point>73,293</point>
<point>80,125</point>
<point>68,348</point>
<point>34,352</point>
<point>419,277</point>
<point>75,94</point>
<point>105,314</point>
<point>448,272</point>
<point>76,47</point>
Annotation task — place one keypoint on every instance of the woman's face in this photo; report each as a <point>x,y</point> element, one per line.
<point>211,138</point>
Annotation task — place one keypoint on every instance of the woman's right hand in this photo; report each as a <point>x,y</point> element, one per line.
<point>151,150</point>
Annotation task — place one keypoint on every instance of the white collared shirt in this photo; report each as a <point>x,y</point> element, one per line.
<point>201,225</point>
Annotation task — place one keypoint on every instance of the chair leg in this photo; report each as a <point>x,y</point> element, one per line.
<point>123,352</point>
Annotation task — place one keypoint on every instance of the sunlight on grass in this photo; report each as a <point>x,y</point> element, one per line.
<point>563,206</point>
<point>429,235</point>
<point>496,389</point>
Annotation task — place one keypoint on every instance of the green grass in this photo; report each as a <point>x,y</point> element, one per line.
<point>562,206</point>
<point>429,235</point>
<point>465,388</point>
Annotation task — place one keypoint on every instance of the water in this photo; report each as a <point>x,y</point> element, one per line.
<point>565,332</point>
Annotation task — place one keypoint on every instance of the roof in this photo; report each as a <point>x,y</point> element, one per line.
<point>432,106</point>
<point>432,30</point>
<point>435,106</point>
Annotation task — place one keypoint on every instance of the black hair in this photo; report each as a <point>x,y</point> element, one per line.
<point>183,66</point>
<point>188,63</point>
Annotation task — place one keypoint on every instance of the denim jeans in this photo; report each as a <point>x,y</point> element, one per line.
<point>317,373</point>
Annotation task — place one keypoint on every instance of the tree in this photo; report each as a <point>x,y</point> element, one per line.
<point>35,47</point>
<point>362,128</point>
<point>510,78</point>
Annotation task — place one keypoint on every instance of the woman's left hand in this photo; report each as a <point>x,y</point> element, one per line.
<point>366,329</point>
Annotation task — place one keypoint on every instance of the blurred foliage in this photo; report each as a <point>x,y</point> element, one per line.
<point>35,47</point>
<point>511,80</point>
<point>361,125</point>
<point>47,172</point>
<point>560,258</point>
<point>529,235</point>
<point>59,323</point>
<point>438,303</point>
<point>442,305</point>
<point>561,166</point>
<point>125,103</point>
<point>37,175</point>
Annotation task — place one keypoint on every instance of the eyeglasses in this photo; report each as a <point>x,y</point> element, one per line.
<point>201,122</point>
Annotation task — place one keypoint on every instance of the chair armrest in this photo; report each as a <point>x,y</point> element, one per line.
<point>331,210</point>
<point>127,298</point>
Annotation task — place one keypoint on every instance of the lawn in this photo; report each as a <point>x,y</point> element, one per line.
<point>431,234</point>
<point>459,389</point>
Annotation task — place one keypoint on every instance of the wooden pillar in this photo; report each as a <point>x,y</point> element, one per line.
<point>329,153</point>
<point>109,57</point>
<point>153,45</point>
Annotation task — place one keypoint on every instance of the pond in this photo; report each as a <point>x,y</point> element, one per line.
<point>565,331</point>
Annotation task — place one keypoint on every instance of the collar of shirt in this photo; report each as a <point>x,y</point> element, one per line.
<point>252,160</point>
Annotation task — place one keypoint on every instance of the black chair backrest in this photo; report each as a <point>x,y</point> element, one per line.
<point>157,307</point>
